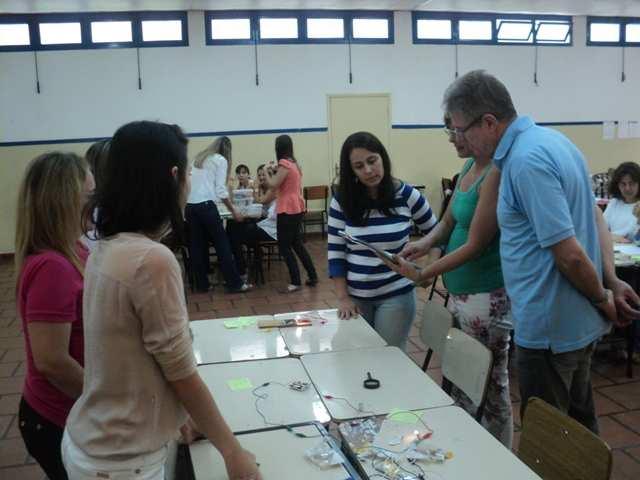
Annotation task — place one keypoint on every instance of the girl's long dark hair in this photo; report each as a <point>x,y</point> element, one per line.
<point>626,168</point>
<point>138,193</point>
<point>352,194</point>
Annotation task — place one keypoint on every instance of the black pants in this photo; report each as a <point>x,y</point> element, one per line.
<point>244,233</point>
<point>42,439</point>
<point>205,225</point>
<point>290,238</point>
<point>560,379</point>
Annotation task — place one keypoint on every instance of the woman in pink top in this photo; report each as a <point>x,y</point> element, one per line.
<point>287,179</point>
<point>50,263</point>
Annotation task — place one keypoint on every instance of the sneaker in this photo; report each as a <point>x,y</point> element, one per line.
<point>292,288</point>
<point>312,282</point>
<point>245,287</point>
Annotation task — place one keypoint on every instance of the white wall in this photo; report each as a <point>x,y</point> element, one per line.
<point>89,93</point>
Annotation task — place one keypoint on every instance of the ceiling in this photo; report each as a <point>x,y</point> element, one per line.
<point>567,7</point>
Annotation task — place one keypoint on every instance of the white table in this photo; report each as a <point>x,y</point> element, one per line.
<point>328,333</point>
<point>283,406</point>
<point>279,453</point>
<point>402,384</point>
<point>215,343</point>
<point>476,453</point>
<point>627,248</point>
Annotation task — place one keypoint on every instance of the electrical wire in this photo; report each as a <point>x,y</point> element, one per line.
<point>333,397</point>
<point>415,415</point>
<point>265,396</point>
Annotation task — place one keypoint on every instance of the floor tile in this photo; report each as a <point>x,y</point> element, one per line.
<point>627,395</point>
<point>12,452</point>
<point>9,404</point>
<point>605,406</point>
<point>7,369</point>
<point>27,472</point>
<point>616,435</point>
<point>13,355</point>
<point>5,423</point>
<point>634,452</point>
<point>10,385</point>
<point>624,467</point>
<point>630,420</point>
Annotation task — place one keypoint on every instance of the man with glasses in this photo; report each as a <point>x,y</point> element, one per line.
<point>555,249</point>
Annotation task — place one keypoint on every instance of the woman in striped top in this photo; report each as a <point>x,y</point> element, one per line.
<point>375,207</point>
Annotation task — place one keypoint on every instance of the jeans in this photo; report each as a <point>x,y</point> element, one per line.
<point>42,439</point>
<point>487,318</point>
<point>205,225</point>
<point>391,317</point>
<point>84,467</point>
<point>289,241</point>
<point>560,379</point>
<point>244,233</point>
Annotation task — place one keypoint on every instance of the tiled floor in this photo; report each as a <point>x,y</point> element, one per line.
<point>617,397</point>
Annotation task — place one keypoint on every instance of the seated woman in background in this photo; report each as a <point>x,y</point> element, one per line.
<point>473,276</point>
<point>243,177</point>
<point>373,205</point>
<point>251,233</point>
<point>140,373</point>
<point>49,265</point>
<point>209,186</point>
<point>263,193</point>
<point>624,193</point>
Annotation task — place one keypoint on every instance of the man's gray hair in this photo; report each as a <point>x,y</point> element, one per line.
<point>476,93</point>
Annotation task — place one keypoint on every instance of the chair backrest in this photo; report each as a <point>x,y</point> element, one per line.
<point>467,363</point>
<point>316,192</point>
<point>436,322</point>
<point>557,447</point>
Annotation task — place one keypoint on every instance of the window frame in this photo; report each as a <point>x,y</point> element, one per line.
<point>109,16</point>
<point>229,14</point>
<point>376,15</point>
<point>341,14</point>
<point>85,18</point>
<point>456,17</point>
<point>20,19</point>
<point>254,16</point>
<point>275,14</point>
<point>621,21</point>
<point>180,15</point>
<point>61,18</point>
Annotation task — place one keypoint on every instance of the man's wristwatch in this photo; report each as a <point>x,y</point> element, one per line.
<point>599,301</point>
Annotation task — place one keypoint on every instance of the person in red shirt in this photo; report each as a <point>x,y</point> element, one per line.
<point>49,261</point>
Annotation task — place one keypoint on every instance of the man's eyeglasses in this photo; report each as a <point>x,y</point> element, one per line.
<point>459,132</point>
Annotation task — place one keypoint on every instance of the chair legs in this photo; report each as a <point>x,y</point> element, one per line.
<point>427,359</point>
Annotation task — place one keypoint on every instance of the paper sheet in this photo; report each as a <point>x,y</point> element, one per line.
<point>238,384</point>
<point>608,130</point>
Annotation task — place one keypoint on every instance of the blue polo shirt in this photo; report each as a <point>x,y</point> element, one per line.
<point>545,197</point>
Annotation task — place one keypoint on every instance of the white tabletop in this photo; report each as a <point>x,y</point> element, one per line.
<point>283,405</point>
<point>627,248</point>
<point>328,333</point>
<point>402,384</point>
<point>279,453</point>
<point>476,453</point>
<point>213,342</point>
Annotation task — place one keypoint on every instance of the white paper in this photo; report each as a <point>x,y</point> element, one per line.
<point>608,130</point>
<point>628,129</point>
